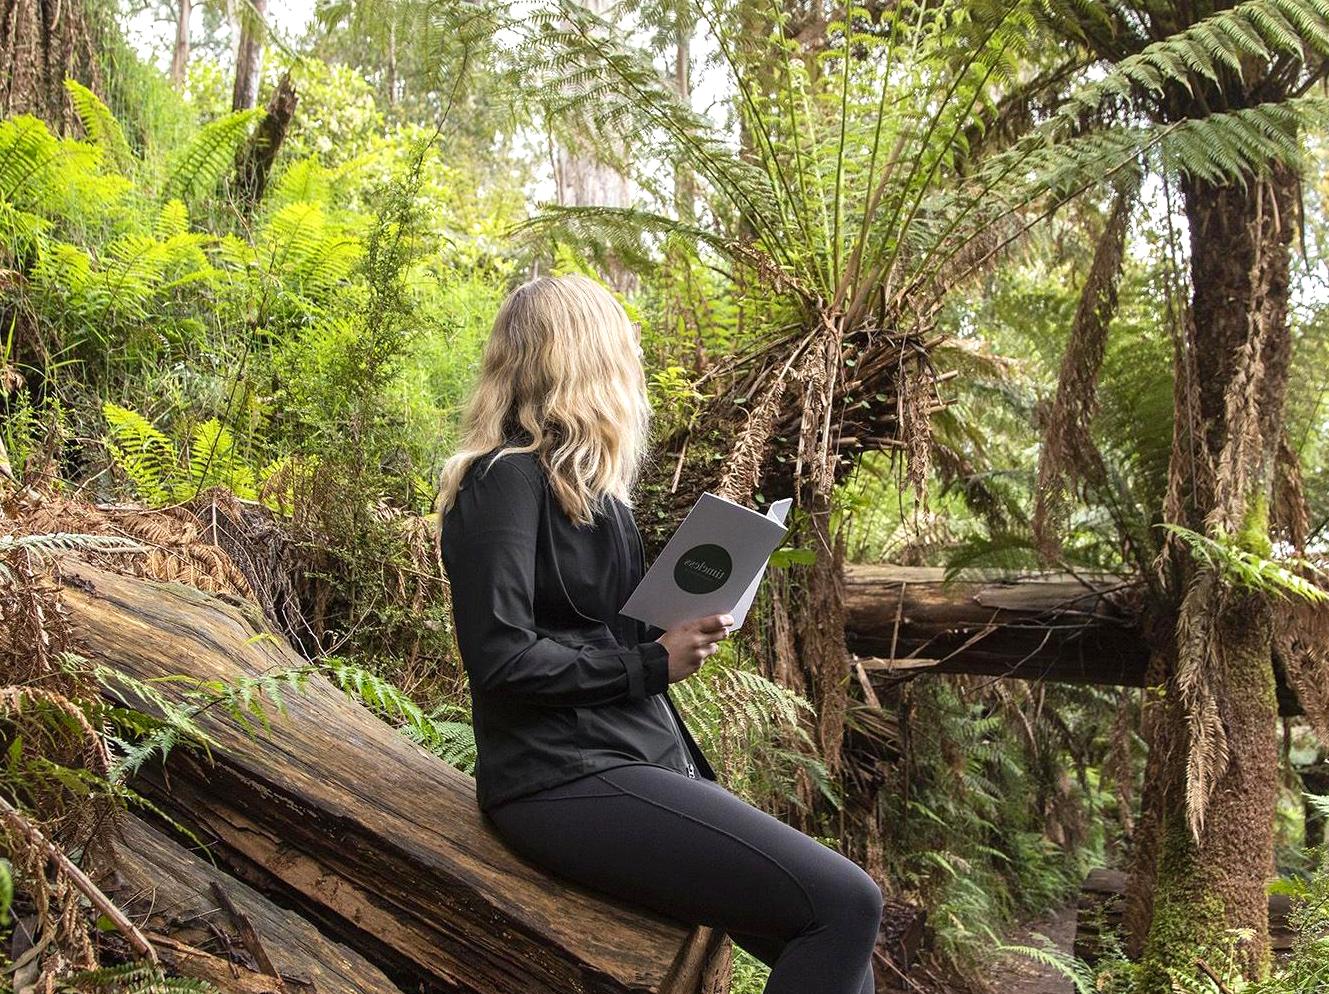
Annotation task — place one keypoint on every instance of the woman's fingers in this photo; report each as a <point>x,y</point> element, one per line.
<point>715,626</point>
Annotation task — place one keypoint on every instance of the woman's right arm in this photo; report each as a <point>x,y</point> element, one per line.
<point>489,544</point>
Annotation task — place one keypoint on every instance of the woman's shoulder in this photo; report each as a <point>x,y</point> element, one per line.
<point>499,470</point>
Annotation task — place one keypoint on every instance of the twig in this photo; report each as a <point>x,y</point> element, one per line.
<point>1208,971</point>
<point>248,934</point>
<point>80,879</point>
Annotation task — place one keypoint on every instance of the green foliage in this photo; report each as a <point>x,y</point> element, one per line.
<point>1248,570</point>
<point>198,166</point>
<point>161,474</point>
<point>751,726</point>
<point>100,124</point>
<point>453,741</point>
<point>134,977</point>
<point>1079,973</point>
<point>6,890</point>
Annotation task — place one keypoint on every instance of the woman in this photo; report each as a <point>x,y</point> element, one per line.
<point>584,765</point>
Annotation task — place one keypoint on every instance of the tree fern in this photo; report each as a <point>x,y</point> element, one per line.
<point>1229,40</point>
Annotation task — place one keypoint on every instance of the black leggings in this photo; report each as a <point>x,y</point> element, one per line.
<point>692,850</point>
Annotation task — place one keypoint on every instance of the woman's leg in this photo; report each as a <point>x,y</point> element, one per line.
<point>694,851</point>
<point>769,950</point>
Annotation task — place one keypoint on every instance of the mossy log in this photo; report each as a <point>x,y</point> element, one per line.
<point>368,835</point>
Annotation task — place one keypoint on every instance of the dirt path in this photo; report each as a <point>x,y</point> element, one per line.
<point>1022,975</point>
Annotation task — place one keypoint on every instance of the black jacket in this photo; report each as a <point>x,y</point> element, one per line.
<point>561,683</point>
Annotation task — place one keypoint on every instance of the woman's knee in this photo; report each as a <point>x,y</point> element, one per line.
<point>864,898</point>
<point>854,903</point>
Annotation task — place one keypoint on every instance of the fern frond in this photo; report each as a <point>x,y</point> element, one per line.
<point>208,154</point>
<point>100,124</point>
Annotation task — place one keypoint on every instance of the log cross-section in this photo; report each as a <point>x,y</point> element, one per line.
<point>368,834</point>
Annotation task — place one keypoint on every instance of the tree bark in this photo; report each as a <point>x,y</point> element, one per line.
<point>180,54</point>
<point>375,840</point>
<point>170,891</point>
<point>254,159</point>
<point>249,55</point>
<point>1220,699</point>
<point>1100,911</point>
<point>41,43</point>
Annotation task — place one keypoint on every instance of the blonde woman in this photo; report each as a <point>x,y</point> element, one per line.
<point>584,765</point>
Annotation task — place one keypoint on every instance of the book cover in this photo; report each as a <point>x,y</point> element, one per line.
<point>713,563</point>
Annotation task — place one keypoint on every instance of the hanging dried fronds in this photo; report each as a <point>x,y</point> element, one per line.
<point>1068,449</point>
<point>1301,642</point>
<point>751,448</point>
<point>1196,682</point>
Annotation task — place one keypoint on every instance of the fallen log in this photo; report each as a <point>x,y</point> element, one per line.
<point>214,923</point>
<point>367,834</point>
<point>905,620</point>
<point>1052,627</point>
<point>1099,914</point>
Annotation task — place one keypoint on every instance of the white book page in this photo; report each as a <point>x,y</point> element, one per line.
<point>777,512</point>
<point>712,564</point>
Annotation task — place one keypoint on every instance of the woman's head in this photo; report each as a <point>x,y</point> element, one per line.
<point>563,364</point>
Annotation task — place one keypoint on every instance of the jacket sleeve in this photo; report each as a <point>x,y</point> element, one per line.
<point>489,543</point>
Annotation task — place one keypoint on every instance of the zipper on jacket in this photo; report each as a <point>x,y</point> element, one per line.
<point>687,759</point>
<point>673,723</point>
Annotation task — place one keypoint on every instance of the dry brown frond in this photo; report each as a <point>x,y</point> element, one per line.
<point>749,453</point>
<point>1207,755</point>
<point>1301,640</point>
<point>1068,449</point>
<point>1289,514</point>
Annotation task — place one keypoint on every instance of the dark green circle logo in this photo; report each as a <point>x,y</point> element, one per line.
<point>703,568</point>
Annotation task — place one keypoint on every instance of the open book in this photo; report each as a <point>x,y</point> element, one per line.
<point>712,564</point>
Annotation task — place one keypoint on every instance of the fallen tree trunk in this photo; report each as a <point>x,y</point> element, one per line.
<point>176,895</point>
<point>370,836</point>
<point>1052,627</point>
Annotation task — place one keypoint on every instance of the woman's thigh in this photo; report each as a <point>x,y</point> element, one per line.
<point>687,848</point>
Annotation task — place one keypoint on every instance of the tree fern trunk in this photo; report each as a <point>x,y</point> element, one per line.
<point>1220,711</point>
<point>41,43</point>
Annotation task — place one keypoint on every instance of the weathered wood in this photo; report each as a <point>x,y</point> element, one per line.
<point>1050,627</point>
<point>1100,908</point>
<point>171,890</point>
<point>907,620</point>
<point>369,835</point>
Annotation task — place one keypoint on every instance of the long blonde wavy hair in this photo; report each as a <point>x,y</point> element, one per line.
<point>562,362</point>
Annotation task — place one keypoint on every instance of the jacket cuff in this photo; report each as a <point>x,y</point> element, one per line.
<point>648,669</point>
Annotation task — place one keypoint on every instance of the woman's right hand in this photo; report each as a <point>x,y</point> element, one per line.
<point>690,642</point>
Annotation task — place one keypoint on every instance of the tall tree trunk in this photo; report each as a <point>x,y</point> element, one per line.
<point>180,54</point>
<point>41,43</point>
<point>391,73</point>
<point>1219,784</point>
<point>583,179</point>
<point>249,55</point>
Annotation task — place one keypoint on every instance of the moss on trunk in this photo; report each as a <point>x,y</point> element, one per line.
<point>1204,888</point>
